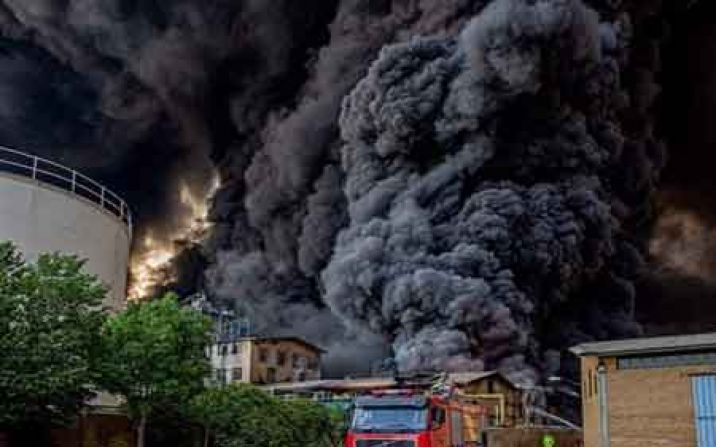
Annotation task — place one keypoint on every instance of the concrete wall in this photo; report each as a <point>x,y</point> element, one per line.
<point>40,218</point>
<point>238,356</point>
<point>247,356</point>
<point>283,372</point>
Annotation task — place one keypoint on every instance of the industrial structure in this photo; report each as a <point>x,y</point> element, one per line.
<point>481,408</point>
<point>236,354</point>
<point>48,208</point>
<point>499,396</point>
<point>649,391</point>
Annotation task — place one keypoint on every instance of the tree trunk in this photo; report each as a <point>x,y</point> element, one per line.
<point>141,429</point>
<point>206,437</point>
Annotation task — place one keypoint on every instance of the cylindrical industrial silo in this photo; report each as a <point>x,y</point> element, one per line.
<point>46,207</point>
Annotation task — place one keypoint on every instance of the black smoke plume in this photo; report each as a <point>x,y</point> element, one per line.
<point>482,183</point>
<point>465,182</point>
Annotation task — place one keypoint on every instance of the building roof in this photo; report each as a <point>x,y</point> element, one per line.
<point>374,383</point>
<point>653,345</point>
<point>334,385</point>
<point>466,378</point>
<point>298,340</point>
<point>297,387</point>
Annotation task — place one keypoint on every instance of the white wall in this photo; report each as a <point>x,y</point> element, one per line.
<point>39,218</point>
<point>229,362</point>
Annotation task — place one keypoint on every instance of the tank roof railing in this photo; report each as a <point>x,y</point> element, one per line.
<point>55,174</point>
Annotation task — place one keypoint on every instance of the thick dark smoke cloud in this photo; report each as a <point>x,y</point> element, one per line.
<point>285,201</point>
<point>480,181</point>
<point>136,92</point>
<point>489,174</point>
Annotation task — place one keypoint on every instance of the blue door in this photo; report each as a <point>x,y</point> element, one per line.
<point>704,393</point>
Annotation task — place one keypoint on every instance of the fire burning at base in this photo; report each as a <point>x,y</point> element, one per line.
<point>151,265</point>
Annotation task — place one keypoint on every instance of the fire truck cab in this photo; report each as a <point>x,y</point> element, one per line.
<point>407,420</point>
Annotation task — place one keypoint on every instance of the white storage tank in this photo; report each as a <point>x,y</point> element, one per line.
<point>46,207</point>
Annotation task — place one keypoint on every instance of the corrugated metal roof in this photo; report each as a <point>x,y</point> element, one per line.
<point>677,343</point>
<point>332,385</point>
<point>372,383</point>
<point>364,383</point>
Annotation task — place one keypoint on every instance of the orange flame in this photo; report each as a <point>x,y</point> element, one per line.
<point>151,265</point>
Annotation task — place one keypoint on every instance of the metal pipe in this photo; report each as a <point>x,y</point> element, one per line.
<point>602,396</point>
<point>501,402</point>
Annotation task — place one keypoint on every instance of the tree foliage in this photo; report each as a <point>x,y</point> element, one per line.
<point>153,355</point>
<point>50,317</point>
<point>240,415</point>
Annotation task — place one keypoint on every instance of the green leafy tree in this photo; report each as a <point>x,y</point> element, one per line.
<point>237,412</point>
<point>153,355</point>
<point>215,410</point>
<point>50,317</point>
<point>241,415</point>
<point>314,424</point>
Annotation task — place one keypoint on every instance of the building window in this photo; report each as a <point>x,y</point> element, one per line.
<point>263,355</point>
<point>271,375</point>
<point>313,364</point>
<point>299,362</point>
<point>236,375</point>
<point>224,350</point>
<point>281,358</point>
<point>235,348</point>
<point>667,360</point>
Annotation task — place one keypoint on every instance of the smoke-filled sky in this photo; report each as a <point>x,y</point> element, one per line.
<point>453,183</point>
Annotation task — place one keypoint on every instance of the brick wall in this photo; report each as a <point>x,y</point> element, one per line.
<point>652,407</point>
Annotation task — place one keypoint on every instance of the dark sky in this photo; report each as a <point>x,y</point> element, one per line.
<point>689,101</point>
<point>670,301</point>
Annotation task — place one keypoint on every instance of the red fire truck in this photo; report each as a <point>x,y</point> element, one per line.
<point>404,419</point>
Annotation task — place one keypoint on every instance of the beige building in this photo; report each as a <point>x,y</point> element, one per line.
<point>264,360</point>
<point>649,392</point>
<point>494,391</point>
